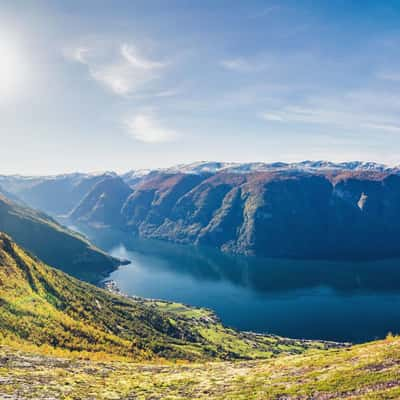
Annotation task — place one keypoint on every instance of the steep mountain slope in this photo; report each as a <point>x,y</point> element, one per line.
<point>55,195</point>
<point>290,213</point>
<point>43,306</point>
<point>311,209</point>
<point>155,198</point>
<point>103,204</point>
<point>53,243</point>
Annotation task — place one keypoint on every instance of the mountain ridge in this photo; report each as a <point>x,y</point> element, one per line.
<point>57,245</point>
<point>280,213</point>
<point>310,209</point>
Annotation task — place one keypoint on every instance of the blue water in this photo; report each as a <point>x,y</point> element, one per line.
<point>344,301</point>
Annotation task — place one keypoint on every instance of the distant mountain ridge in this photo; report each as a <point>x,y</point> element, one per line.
<point>202,167</point>
<point>310,209</point>
<point>55,194</point>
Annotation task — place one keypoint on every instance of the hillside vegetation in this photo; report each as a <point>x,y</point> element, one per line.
<point>53,243</point>
<point>45,307</point>
<point>369,371</point>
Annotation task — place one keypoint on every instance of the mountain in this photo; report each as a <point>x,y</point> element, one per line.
<point>42,306</point>
<point>309,209</point>
<point>298,213</point>
<point>212,167</point>
<point>9,195</point>
<point>103,204</point>
<point>56,195</point>
<point>53,243</point>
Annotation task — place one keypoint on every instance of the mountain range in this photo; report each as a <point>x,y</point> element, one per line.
<point>310,209</point>
<point>64,338</point>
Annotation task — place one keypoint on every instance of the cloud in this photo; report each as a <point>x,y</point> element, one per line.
<point>383,127</point>
<point>121,69</point>
<point>146,128</point>
<point>131,55</point>
<point>266,11</point>
<point>242,65</point>
<point>358,110</point>
<point>77,54</point>
<point>389,76</point>
<point>273,117</point>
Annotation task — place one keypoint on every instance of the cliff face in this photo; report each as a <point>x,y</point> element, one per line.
<point>297,214</point>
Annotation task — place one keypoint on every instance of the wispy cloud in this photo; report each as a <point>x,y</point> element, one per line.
<point>243,65</point>
<point>119,68</point>
<point>358,110</point>
<point>266,11</point>
<point>77,54</point>
<point>145,127</point>
<point>389,76</point>
<point>383,127</point>
<point>131,54</point>
<point>273,117</point>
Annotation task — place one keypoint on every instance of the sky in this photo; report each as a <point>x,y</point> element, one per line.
<point>118,85</point>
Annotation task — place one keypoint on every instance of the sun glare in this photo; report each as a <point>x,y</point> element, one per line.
<point>11,68</point>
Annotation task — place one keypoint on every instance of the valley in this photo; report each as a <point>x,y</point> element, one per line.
<point>64,339</point>
<point>353,301</point>
<point>44,307</point>
<point>245,248</point>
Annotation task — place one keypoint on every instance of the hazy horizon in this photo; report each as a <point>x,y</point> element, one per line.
<point>93,86</point>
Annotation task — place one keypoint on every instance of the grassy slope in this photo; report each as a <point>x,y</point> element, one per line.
<point>53,243</point>
<point>43,306</point>
<point>370,371</point>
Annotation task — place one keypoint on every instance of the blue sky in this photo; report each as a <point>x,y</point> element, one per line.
<point>119,85</point>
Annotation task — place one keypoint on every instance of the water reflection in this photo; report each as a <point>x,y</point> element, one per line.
<point>260,274</point>
<point>345,301</point>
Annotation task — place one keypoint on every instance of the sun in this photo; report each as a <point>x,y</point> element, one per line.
<point>11,67</point>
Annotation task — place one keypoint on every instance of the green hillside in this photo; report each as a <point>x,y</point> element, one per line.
<point>43,306</point>
<point>369,371</point>
<point>53,243</point>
